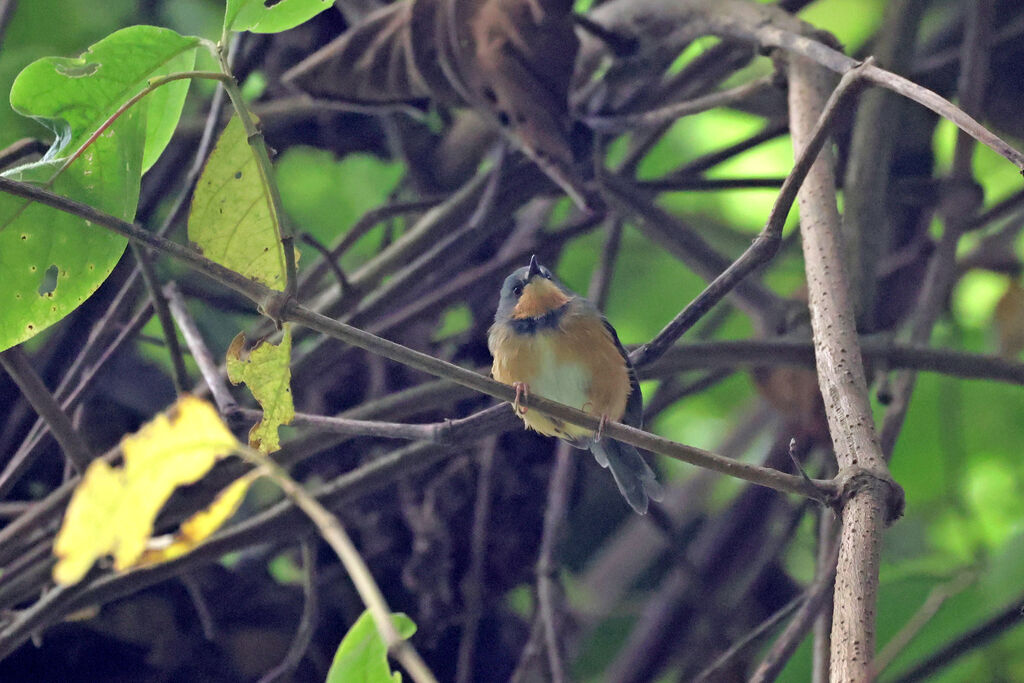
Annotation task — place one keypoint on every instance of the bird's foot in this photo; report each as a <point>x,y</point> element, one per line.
<point>600,427</point>
<point>522,395</point>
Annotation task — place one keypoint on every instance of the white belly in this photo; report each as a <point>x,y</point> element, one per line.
<point>567,383</point>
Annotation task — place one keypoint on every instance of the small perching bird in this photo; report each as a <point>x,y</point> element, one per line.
<point>547,340</point>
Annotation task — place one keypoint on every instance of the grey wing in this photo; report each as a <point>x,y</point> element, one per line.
<point>634,415</point>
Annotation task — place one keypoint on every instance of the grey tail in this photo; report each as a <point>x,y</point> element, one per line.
<point>636,481</point>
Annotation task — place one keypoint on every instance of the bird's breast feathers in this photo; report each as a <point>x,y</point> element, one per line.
<point>576,363</point>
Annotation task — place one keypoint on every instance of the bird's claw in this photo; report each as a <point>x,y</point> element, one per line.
<point>522,395</point>
<point>600,428</point>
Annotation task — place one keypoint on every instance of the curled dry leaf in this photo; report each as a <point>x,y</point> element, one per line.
<point>1009,320</point>
<point>511,60</point>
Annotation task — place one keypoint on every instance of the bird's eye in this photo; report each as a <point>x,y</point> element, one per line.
<point>517,290</point>
<point>546,274</point>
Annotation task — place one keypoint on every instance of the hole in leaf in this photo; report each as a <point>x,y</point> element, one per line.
<point>270,3</point>
<point>49,283</point>
<point>238,175</point>
<point>72,70</point>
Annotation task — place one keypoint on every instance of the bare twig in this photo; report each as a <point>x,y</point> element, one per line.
<point>768,240</point>
<point>620,122</point>
<point>974,638</point>
<point>753,638</point>
<point>195,594</point>
<point>941,270</point>
<point>16,363</point>
<point>179,374</point>
<point>364,225</point>
<point>878,349</point>
<point>473,583</point>
<point>194,340</point>
<point>25,455</point>
<point>796,631</point>
<point>307,622</point>
<point>936,598</point>
<point>548,587</point>
<point>334,533</point>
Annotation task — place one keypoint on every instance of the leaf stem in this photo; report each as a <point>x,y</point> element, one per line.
<point>334,533</point>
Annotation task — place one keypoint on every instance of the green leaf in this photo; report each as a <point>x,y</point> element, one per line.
<point>363,656</point>
<point>74,96</point>
<point>266,370</point>
<point>265,16</point>
<point>51,261</point>
<point>232,219</point>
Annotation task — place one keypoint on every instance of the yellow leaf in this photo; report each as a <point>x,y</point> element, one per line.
<point>112,511</point>
<point>266,370</point>
<point>232,219</point>
<point>199,526</point>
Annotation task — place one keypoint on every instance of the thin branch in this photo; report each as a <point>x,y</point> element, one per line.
<point>771,131</point>
<point>208,367</point>
<point>615,123</point>
<point>16,363</point>
<point>7,8</point>
<point>307,622</point>
<point>332,531</point>
<point>26,453</point>
<point>361,228</point>
<point>548,588</point>
<point>693,183</point>
<point>473,583</point>
<point>821,646</point>
<point>878,349</point>
<point>767,243</point>
<point>753,638</point>
<point>195,594</point>
<point>936,598</point>
<point>292,311</point>
<point>686,244</point>
<point>941,272</point>
<point>784,647</point>
<point>974,638</point>
<point>332,265</point>
<point>179,374</point>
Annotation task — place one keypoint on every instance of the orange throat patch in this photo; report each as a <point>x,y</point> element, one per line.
<point>540,296</point>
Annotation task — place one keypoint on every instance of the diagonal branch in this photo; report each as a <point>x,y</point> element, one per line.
<point>767,243</point>
<point>17,365</point>
<point>290,310</point>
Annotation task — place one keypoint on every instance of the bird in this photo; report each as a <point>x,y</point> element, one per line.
<point>550,341</point>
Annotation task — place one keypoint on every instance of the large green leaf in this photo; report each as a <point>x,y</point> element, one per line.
<point>260,16</point>
<point>51,261</point>
<point>74,96</point>
<point>363,656</point>
<point>232,219</point>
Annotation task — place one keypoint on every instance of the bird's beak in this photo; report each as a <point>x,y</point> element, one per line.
<point>534,268</point>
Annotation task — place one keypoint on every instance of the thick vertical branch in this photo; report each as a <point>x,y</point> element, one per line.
<point>870,498</point>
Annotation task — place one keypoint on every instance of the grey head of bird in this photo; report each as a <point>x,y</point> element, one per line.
<point>531,292</point>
